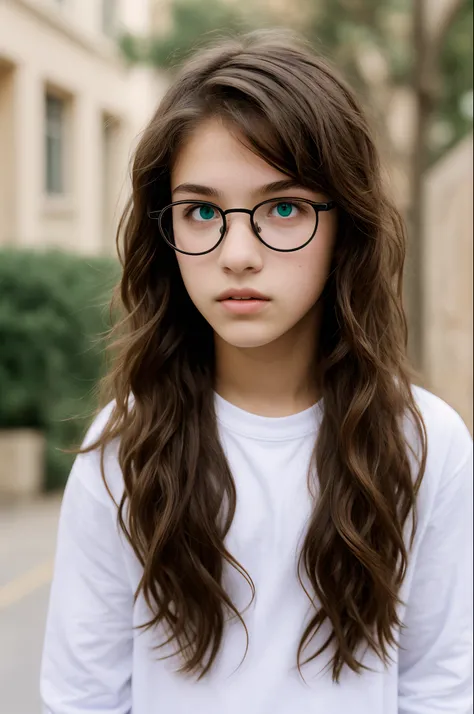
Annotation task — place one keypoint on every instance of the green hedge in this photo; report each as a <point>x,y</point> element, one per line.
<point>54,308</point>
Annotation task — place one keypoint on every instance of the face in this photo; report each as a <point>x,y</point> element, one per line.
<point>213,157</point>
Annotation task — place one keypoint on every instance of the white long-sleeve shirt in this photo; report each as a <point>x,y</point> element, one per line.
<point>95,662</point>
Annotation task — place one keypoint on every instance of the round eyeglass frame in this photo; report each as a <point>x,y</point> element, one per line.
<point>317,205</point>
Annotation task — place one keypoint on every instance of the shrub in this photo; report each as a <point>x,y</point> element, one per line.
<point>53,311</point>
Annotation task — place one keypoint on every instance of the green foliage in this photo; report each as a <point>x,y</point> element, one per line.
<point>53,310</point>
<point>134,49</point>
<point>194,24</point>
<point>457,77</point>
<point>337,28</point>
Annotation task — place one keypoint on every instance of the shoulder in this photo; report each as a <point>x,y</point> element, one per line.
<point>98,424</point>
<point>86,471</point>
<point>449,453</point>
<point>447,434</point>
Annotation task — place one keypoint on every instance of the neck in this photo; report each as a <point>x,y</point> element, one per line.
<point>277,379</point>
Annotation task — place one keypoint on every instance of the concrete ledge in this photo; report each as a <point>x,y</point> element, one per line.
<point>21,464</point>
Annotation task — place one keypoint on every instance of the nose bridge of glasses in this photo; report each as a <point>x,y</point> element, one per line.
<point>238,210</point>
<point>247,211</point>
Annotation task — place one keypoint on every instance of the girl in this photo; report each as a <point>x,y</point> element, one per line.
<point>267,517</point>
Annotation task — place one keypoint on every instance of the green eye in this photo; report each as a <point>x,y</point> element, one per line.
<point>284,209</point>
<point>206,213</point>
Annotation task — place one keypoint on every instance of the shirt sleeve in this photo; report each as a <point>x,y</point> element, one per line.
<point>435,660</point>
<point>87,652</point>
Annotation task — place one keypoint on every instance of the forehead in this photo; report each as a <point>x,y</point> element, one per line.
<point>216,156</point>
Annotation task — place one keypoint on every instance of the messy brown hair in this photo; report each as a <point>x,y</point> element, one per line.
<point>179,499</point>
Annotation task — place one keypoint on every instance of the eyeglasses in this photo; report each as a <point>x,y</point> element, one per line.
<point>198,227</point>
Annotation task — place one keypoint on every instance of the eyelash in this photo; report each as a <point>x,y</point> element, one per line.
<point>192,208</point>
<point>271,206</point>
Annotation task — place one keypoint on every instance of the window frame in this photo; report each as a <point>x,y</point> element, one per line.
<point>54,138</point>
<point>109,15</point>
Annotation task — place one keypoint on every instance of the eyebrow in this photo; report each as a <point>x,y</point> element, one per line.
<point>273,187</point>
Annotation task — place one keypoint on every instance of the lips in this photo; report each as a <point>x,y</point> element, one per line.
<point>242,294</point>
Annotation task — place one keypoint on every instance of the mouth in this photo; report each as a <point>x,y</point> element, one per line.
<point>243,298</point>
<point>242,295</point>
<point>243,302</point>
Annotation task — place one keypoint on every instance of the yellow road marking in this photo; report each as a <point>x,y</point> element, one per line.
<point>27,583</point>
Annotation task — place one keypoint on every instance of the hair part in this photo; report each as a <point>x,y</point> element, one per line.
<point>179,495</point>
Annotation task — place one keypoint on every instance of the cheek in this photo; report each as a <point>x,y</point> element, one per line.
<point>306,273</point>
<point>195,273</point>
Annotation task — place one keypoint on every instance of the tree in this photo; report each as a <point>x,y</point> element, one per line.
<point>193,24</point>
<point>432,43</point>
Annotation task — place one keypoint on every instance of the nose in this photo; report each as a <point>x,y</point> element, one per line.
<point>240,250</point>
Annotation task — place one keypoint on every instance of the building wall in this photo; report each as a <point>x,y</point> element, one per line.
<point>448,279</point>
<point>7,160</point>
<point>61,47</point>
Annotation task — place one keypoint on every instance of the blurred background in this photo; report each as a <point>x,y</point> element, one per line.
<point>78,81</point>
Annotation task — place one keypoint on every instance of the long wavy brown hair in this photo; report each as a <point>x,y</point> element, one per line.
<point>179,495</point>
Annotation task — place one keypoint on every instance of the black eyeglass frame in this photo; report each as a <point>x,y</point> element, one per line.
<point>317,205</point>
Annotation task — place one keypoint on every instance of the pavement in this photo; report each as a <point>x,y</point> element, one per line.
<point>27,547</point>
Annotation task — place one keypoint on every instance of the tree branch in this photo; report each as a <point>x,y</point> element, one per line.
<point>439,22</point>
<point>433,29</point>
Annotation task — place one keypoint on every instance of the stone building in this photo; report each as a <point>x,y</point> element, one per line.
<point>70,110</point>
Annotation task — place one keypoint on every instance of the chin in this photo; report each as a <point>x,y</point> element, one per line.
<point>242,337</point>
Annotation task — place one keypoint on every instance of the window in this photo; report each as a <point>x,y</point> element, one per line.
<point>54,144</point>
<point>111,178</point>
<point>109,17</point>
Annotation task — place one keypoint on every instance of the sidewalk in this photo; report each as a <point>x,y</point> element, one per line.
<point>27,545</point>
